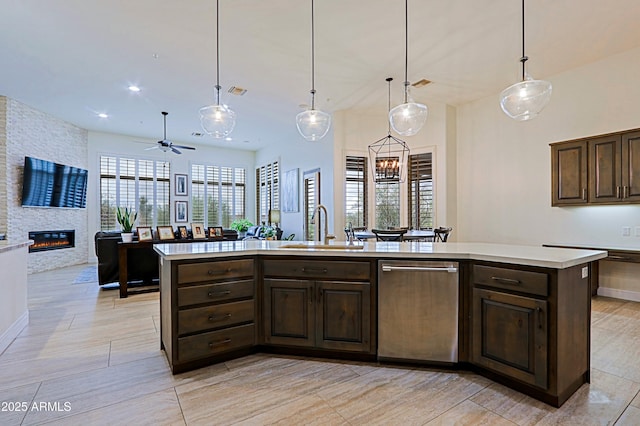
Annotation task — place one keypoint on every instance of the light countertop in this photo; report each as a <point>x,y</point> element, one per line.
<point>6,245</point>
<point>549,257</point>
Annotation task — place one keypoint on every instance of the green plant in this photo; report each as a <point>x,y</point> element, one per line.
<point>126,218</point>
<point>269,232</point>
<point>241,225</point>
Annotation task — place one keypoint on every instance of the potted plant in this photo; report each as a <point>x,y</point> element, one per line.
<point>241,225</point>
<point>126,218</point>
<point>269,233</point>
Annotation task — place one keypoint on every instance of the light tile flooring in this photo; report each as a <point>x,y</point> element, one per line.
<point>95,359</point>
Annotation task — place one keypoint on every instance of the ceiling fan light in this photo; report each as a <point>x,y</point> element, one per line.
<point>217,120</point>
<point>407,119</point>
<point>313,124</point>
<point>526,99</point>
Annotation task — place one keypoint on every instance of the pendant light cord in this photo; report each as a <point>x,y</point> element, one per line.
<point>406,48</point>
<point>389,79</point>
<point>313,61</point>
<point>218,52</point>
<point>524,58</point>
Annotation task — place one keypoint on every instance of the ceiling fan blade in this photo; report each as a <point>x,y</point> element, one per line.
<point>175,150</point>
<point>184,147</point>
<point>151,147</point>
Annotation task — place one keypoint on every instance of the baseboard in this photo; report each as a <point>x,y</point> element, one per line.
<point>13,331</point>
<point>632,296</point>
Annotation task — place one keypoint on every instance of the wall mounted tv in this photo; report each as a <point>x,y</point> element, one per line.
<point>48,184</point>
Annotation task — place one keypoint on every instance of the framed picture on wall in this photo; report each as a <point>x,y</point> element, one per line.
<point>290,191</point>
<point>181,211</point>
<point>180,183</point>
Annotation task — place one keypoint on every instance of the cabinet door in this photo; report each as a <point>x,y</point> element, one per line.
<point>605,158</point>
<point>569,173</point>
<point>510,335</point>
<point>289,312</point>
<point>631,166</point>
<point>343,316</point>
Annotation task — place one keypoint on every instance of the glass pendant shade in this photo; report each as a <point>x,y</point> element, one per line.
<point>217,120</point>
<point>312,124</point>
<point>407,119</point>
<point>524,100</point>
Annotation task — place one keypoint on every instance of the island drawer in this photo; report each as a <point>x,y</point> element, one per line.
<point>329,269</point>
<point>215,342</point>
<point>215,316</point>
<point>210,271</point>
<point>511,279</point>
<point>215,292</point>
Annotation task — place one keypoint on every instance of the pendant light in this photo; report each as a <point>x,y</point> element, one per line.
<point>389,156</point>
<point>408,118</point>
<point>313,124</point>
<point>217,120</point>
<point>524,100</point>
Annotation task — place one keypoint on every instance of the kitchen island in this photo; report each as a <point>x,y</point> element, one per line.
<point>523,312</point>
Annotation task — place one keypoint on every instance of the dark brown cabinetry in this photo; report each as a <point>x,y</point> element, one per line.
<point>211,311</point>
<point>318,304</point>
<point>530,330</point>
<point>597,170</point>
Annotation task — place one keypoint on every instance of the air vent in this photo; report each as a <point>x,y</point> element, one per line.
<point>238,91</point>
<point>421,83</point>
<point>197,134</point>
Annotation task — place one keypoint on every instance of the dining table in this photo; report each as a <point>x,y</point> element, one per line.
<point>410,235</point>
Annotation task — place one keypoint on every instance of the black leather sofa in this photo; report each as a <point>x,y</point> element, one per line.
<point>142,263</point>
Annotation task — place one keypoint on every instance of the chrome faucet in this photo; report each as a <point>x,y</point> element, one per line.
<point>327,236</point>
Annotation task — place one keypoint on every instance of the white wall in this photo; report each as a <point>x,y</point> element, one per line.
<point>294,152</point>
<point>134,147</point>
<point>504,166</point>
<point>14,315</point>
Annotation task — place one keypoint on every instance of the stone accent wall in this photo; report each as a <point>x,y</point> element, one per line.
<point>4,207</point>
<point>35,134</point>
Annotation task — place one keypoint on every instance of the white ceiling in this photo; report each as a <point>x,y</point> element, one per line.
<point>74,58</point>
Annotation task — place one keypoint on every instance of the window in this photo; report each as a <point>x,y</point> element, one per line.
<point>218,194</point>
<point>267,191</point>
<point>420,180</point>
<point>387,203</point>
<point>356,191</point>
<point>135,183</point>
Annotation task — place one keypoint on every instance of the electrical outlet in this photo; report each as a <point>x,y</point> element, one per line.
<point>626,231</point>
<point>585,271</point>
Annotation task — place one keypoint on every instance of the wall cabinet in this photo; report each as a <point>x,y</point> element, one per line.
<point>597,170</point>
<point>310,303</point>
<point>211,311</point>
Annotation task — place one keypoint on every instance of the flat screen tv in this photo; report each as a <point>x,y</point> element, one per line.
<point>48,184</point>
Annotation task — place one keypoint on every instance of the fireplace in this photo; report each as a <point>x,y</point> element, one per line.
<point>52,240</point>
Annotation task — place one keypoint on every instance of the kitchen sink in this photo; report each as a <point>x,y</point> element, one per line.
<point>321,247</point>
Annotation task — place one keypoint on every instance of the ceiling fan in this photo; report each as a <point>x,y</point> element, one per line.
<point>166,145</point>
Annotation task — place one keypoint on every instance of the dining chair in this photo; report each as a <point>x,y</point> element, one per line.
<point>389,234</point>
<point>442,234</point>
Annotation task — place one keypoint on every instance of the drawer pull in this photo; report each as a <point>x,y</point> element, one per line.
<point>315,270</point>
<point>218,293</point>
<point>510,281</point>
<point>214,318</point>
<point>610,257</point>
<point>223,342</point>
<point>219,272</point>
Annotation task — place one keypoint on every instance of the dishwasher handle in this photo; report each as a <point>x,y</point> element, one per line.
<point>389,268</point>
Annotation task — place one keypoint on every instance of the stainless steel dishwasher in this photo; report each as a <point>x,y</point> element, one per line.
<point>418,310</point>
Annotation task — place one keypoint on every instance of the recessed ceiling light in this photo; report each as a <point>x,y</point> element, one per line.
<point>228,139</point>
<point>133,88</point>
<point>103,115</point>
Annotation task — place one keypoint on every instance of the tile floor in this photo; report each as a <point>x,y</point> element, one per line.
<point>90,358</point>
